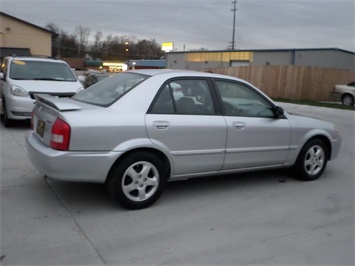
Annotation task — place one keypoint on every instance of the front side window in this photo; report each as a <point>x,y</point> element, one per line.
<point>110,89</point>
<point>184,96</point>
<point>240,100</point>
<point>41,70</point>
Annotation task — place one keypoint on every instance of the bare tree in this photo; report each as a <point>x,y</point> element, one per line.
<point>96,48</point>
<point>52,27</point>
<point>82,36</point>
<point>109,48</point>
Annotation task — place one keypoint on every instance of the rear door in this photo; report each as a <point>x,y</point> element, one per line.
<point>183,120</point>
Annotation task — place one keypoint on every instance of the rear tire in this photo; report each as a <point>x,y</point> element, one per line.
<point>137,181</point>
<point>311,161</point>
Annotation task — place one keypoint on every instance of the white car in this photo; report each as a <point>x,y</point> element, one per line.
<point>134,132</point>
<point>344,93</point>
<point>23,77</point>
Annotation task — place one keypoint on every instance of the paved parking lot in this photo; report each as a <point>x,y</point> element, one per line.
<point>263,218</point>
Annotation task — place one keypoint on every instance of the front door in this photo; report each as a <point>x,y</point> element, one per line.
<point>256,138</point>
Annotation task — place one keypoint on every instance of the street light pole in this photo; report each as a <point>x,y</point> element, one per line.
<point>234,10</point>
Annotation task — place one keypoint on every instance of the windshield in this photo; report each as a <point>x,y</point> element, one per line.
<point>41,70</point>
<point>110,89</point>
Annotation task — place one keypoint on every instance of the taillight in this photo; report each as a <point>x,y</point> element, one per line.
<point>60,135</point>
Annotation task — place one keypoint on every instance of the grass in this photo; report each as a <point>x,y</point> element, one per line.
<point>334,105</point>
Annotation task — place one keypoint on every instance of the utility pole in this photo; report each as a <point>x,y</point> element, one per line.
<point>234,9</point>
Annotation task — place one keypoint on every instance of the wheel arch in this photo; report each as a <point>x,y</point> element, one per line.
<point>325,140</point>
<point>165,160</point>
<point>296,149</point>
<point>347,93</point>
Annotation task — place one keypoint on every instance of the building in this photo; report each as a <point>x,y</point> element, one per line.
<point>318,57</point>
<point>23,38</point>
<point>148,63</point>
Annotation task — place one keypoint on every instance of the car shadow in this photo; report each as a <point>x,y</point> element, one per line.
<point>90,196</point>
<point>19,124</point>
<point>78,196</point>
<point>214,184</point>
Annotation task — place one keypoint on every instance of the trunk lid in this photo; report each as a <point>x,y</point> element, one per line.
<point>45,113</point>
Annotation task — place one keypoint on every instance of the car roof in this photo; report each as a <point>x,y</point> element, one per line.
<point>34,58</point>
<point>178,72</point>
<point>154,72</point>
<point>100,74</point>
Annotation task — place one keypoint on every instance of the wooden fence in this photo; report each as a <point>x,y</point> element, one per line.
<point>291,82</point>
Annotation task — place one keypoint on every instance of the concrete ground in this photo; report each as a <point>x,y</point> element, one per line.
<point>264,218</point>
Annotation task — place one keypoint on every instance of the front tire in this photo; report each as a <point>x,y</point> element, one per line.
<point>311,161</point>
<point>5,119</point>
<point>137,181</point>
<point>347,99</point>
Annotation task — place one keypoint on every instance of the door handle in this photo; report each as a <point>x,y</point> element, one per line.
<point>239,125</point>
<point>161,124</point>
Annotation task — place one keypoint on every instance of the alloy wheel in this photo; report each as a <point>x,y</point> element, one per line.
<point>314,160</point>
<point>140,181</point>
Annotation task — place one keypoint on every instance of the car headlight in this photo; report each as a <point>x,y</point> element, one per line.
<point>18,91</point>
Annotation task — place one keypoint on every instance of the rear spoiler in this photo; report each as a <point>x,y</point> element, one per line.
<point>61,104</point>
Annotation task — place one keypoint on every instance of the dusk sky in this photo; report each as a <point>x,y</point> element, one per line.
<point>195,24</point>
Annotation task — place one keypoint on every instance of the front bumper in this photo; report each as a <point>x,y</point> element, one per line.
<point>69,165</point>
<point>336,144</point>
<point>335,96</point>
<point>19,108</point>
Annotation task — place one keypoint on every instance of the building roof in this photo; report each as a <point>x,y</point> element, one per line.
<point>269,50</point>
<point>28,23</point>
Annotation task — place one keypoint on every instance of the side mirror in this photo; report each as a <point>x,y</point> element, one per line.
<point>278,111</point>
<point>2,76</point>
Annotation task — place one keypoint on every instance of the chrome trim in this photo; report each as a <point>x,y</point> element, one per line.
<point>197,152</point>
<point>256,149</point>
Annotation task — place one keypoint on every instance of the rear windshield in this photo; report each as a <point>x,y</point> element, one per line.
<point>110,89</point>
<point>41,70</point>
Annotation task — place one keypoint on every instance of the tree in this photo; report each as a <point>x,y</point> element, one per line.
<point>65,44</point>
<point>52,27</point>
<point>96,48</point>
<point>112,48</point>
<point>147,49</point>
<point>82,39</point>
<point>55,39</point>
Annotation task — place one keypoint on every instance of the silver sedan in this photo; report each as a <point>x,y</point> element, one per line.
<point>134,131</point>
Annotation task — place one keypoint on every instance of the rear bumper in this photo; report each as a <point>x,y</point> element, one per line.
<point>69,165</point>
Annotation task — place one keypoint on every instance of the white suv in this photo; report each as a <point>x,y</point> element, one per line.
<point>23,77</point>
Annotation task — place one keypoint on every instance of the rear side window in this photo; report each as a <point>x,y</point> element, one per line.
<point>184,96</point>
<point>110,89</point>
<point>41,70</point>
